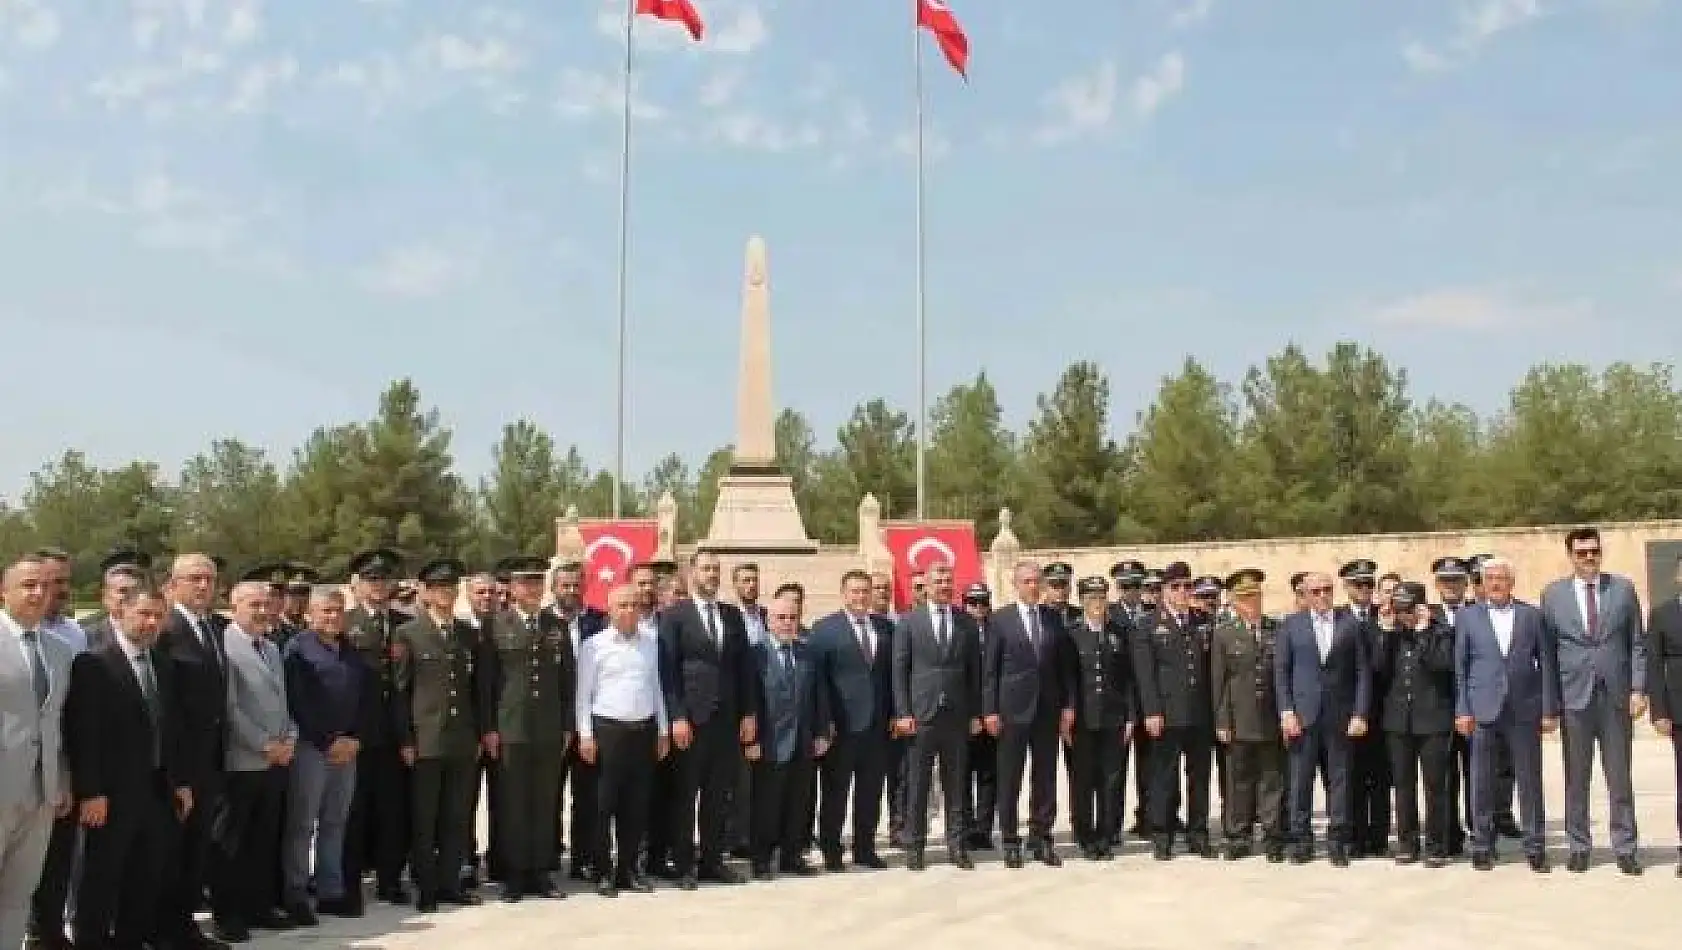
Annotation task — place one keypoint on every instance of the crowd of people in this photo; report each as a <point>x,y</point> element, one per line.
<point>286,748</point>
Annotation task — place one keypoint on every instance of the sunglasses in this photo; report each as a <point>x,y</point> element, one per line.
<point>1586,552</point>
<point>1317,590</point>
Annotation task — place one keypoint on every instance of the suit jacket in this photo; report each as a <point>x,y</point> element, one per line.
<point>1171,666</point>
<point>1618,658</point>
<point>98,629</point>
<point>929,677</point>
<point>110,733</point>
<point>200,675</point>
<point>703,678</point>
<point>1241,668</point>
<point>1525,681</point>
<point>1414,670</point>
<point>858,689</point>
<point>1337,688</point>
<point>790,705</point>
<point>33,767</point>
<point>257,711</point>
<point>1019,680</point>
<point>1101,672</point>
<point>1664,658</point>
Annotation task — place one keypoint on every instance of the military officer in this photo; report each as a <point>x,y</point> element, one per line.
<point>1103,703</point>
<point>377,834</point>
<point>581,622</point>
<point>531,675</point>
<point>1144,620</point>
<point>1171,665</point>
<point>1369,761</point>
<point>1416,714</point>
<point>1206,601</point>
<point>300,580</point>
<point>981,790</point>
<point>443,720</point>
<point>1247,722</point>
<point>1127,578</point>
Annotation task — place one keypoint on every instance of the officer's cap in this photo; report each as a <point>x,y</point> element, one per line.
<point>274,575</point>
<point>1058,572</point>
<point>300,577</point>
<point>1177,571</point>
<point>1206,586</point>
<point>1128,573</point>
<point>978,593</point>
<point>1360,569</point>
<point>442,571</point>
<point>1245,582</point>
<point>1474,565</point>
<point>126,557</point>
<point>1448,568</point>
<point>1089,586</point>
<point>1408,595</point>
<point>375,564</point>
<point>1154,577</point>
<point>522,565</point>
<point>1296,580</point>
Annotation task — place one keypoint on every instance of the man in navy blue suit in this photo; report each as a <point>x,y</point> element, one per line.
<point>1323,678</point>
<point>1506,678</point>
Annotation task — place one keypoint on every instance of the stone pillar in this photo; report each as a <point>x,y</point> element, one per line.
<point>1002,555</point>
<point>873,551</point>
<point>756,436</point>
<point>665,513</point>
<point>569,541</point>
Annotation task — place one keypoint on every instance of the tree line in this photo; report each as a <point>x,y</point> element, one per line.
<point>1297,447</point>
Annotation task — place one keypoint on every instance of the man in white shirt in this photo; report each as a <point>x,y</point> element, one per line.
<point>622,733</point>
<point>53,893</point>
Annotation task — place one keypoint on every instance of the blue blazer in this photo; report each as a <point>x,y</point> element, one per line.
<point>1524,682</point>
<point>1337,689</point>
<point>790,705</point>
<point>858,693</point>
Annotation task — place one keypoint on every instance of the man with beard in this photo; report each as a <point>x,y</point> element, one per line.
<point>852,654</point>
<point>580,622</point>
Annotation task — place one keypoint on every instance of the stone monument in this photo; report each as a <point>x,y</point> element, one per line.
<point>755,513</point>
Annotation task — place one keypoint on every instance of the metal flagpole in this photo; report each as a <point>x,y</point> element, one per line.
<point>624,256</point>
<point>922,323</point>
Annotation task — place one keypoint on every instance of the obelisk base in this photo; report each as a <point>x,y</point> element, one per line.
<point>756,514</point>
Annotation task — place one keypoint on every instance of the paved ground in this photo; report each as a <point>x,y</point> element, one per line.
<point>1133,902</point>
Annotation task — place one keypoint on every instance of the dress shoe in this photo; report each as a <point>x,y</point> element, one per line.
<point>273,919</point>
<point>542,885</point>
<point>1201,847</point>
<point>1234,850</point>
<point>1578,862</point>
<point>581,872</point>
<point>1275,854</point>
<point>797,867</point>
<point>1338,855</point>
<point>719,873</point>
<point>230,931</point>
<point>1302,854</point>
<point>687,882</point>
<point>1013,856</point>
<point>637,884</point>
<point>301,915</point>
<point>1482,861</point>
<point>1047,854</point>
<point>1407,855</point>
<point>833,864</point>
<point>870,860</point>
<point>1628,864</point>
<point>339,907</point>
<point>1162,848</point>
<point>512,894</point>
<point>961,860</point>
<point>762,870</point>
<point>1538,863</point>
<point>605,887</point>
<point>914,861</point>
<point>460,899</point>
<point>1506,827</point>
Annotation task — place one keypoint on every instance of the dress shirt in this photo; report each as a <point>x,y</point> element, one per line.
<point>940,618</point>
<point>1030,621</point>
<point>1501,618</point>
<point>864,632</point>
<point>753,620</point>
<point>30,657</point>
<point>619,679</point>
<point>711,620</point>
<point>648,626</point>
<point>1580,587</point>
<point>1323,634</point>
<point>68,631</point>
<point>324,688</point>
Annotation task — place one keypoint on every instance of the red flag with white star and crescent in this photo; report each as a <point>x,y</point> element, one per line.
<point>675,11</point>
<point>611,549</point>
<point>917,546</point>
<point>938,18</point>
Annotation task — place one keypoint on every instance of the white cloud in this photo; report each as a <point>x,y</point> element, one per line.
<point>31,22</point>
<point>252,91</point>
<point>456,54</point>
<point>1080,105</point>
<point>1192,13</point>
<point>586,95</point>
<point>1476,309</point>
<point>419,270</point>
<point>1153,90</point>
<point>245,23</point>
<point>744,33</point>
<point>719,90</point>
<point>164,213</point>
<point>1478,23</point>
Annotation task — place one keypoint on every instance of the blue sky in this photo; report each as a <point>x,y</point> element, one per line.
<point>239,217</point>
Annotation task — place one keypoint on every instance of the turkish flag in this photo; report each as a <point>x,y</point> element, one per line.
<point>611,549</point>
<point>936,17</point>
<point>917,546</point>
<point>677,11</point>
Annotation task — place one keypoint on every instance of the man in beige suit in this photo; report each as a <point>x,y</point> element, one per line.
<point>34,678</point>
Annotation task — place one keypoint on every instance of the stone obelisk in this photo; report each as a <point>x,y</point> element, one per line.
<point>755,512</point>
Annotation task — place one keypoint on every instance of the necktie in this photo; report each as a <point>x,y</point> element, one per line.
<point>1034,628</point>
<point>711,618</point>
<point>209,642</point>
<point>37,666</point>
<point>1592,596</point>
<point>788,659</point>
<point>941,631</point>
<point>863,633</point>
<point>154,709</point>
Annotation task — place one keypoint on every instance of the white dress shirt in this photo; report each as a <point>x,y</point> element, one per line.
<point>1323,634</point>
<point>68,632</point>
<point>619,679</point>
<point>29,656</point>
<point>1501,618</point>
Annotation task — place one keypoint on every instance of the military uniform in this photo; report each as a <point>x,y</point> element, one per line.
<point>1416,714</point>
<point>377,831</point>
<point>1369,758</point>
<point>1103,703</point>
<point>533,676</point>
<point>1171,664</point>
<point>578,777</point>
<point>1247,714</point>
<point>1129,576</point>
<point>444,705</point>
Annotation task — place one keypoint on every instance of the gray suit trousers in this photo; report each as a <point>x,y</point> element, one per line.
<point>1607,725</point>
<point>24,830</point>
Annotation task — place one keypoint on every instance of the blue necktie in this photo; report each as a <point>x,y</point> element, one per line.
<point>38,666</point>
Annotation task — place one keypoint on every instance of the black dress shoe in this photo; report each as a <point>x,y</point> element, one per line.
<point>1013,856</point>
<point>542,885</point>
<point>961,861</point>
<point>1162,848</point>
<point>230,931</point>
<point>301,915</point>
<point>638,884</point>
<point>1628,864</point>
<point>833,864</point>
<point>1538,863</point>
<point>1339,856</point>
<point>914,861</point>
<point>1275,854</point>
<point>605,888</point>
<point>719,873</point>
<point>1578,862</point>
<point>1482,861</point>
<point>348,907</point>
<point>273,919</point>
<point>460,899</point>
<point>1047,854</point>
<point>871,860</point>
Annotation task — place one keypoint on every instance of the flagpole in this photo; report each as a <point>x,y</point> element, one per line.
<point>922,322</point>
<point>624,260</point>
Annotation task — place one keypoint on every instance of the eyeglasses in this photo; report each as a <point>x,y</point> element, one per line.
<point>1586,552</point>
<point>785,616</point>
<point>1361,583</point>
<point>1318,590</point>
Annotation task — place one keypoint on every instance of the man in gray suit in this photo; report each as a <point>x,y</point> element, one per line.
<point>1595,619</point>
<point>34,783</point>
<point>245,856</point>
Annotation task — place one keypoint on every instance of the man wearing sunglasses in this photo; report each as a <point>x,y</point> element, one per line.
<point>1171,667</point>
<point>1370,763</point>
<point>1595,622</point>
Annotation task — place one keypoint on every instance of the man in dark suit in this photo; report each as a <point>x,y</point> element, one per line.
<point>852,650</point>
<point>192,641</point>
<point>581,623</point>
<point>1369,764</point>
<point>1664,680</point>
<point>1171,666</point>
<point>1506,683</point>
<point>1026,703</point>
<point>131,770</point>
<point>1323,681</point>
<point>981,788</point>
<point>706,671</point>
<point>1594,620</point>
<point>937,702</point>
<point>792,724</point>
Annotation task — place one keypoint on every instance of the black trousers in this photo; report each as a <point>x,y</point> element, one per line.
<point>245,857</point>
<point>1328,737</point>
<point>524,815</point>
<point>1033,744</point>
<point>657,821</point>
<point>123,862</point>
<point>899,787</point>
<point>854,771</point>
<point>442,791</point>
<point>578,781</point>
<point>1415,761</point>
<point>1095,774</point>
<point>1142,777</point>
<point>1254,792</point>
<point>705,773</point>
<point>377,830</point>
<point>1193,749</point>
<point>52,892</point>
<point>981,790</point>
<point>183,893</point>
<point>625,758</point>
<point>485,783</point>
<point>781,796</point>
<point>945,738</point>
<point>1369,788</point>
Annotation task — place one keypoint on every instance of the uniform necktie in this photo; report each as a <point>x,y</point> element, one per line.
<point>865,645</point>
<point>1592,596</point>
<point>37,666</point>
<point>711,618</point>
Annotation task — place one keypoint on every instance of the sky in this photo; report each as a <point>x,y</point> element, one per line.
<point>245,217</point>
